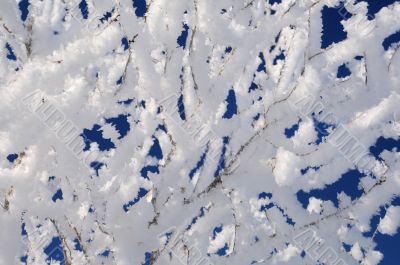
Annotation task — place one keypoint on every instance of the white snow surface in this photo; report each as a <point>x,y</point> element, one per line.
<point>77,72</point>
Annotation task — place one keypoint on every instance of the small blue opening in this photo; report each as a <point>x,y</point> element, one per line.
<point>231,108</point>
<point>216,231</point>
<point>199,164</point>
<point>24,8</point>
<point>261,66</point>
<point>10,53</point>
<point>54,251</point>
<point>182,38</point>
<point>125,43</point>
<point>120,80</point>
<point>228,49</point>
<point>290,132</point>
<point>155,149</point>
<point>343,71</point>
<point>24,259</point>
<point>106,16</point>
<point>264,195</point>
<point>83,6</point>
<point>348,183</point>
<point>322,129</point>
<point>95,135</point>
<point>194,220</point>
<point>77,245</point>
<point>12,157</point>
<point>271,2</point>
<point>105,253</point>
<point>279,57</point>
<point>162,128</point>
<point>383,144</point>
<point>57,196</point>
<point>147,258</point>
<point>141,193</point>
<point>145,170</point>
<point>121,124</point>
<point>221,162</point>
<point>23,230</point>
<point>223,251</point>
<point>140,7</point>
<point>125,102</point>
<point>181,108</point>
<point>332,29</point>
<point>390,40</point>
<point>253,86</point>
<point>304,171</point>
<point>96,166</point>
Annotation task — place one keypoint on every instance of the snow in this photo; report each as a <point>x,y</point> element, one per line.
<point>199,132</point>
<point>391,222</point>
<point>286,170</point>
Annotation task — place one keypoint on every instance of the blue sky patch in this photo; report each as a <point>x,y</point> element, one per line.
<point>121,124</point>
<point>271,2</point>
<point>77,245</point>
<point>222,251</point>
<point>322,129</point>
<point>231,108</point>
<point>374,6</point>
<point>141,193</point>
<point>10,53</point>
<point>347,183</point>
<point>343,71</point>
<point>147,258</point>
<point>181,108</point>
<point>96,165</point>
<point>155,150</point>
<point>383,144</point>
<point>221,161</point>
<point>389,247</point>
<point>105,253</point>
<point>140,7</point>
<point>106,16</point>
<point>279,57</point>
<point>12,157</point>
<point>264,195</point>
<point>332,29</point>
<point>23,6</point>
<point>57,196</point>
<point>125,43</point>
<point>183,37</point>
<point>83,6</point>
<point>126,102</point>
<point>290,132</point>
<point>95,135</point>
<point>216,231</point>
<point>194,220</point>
<point>261,66</point>
<point>146,169</point>
<point>54,251</point>
<point>390,40</point>
<point>304,171</point>
<point>199,164</point>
